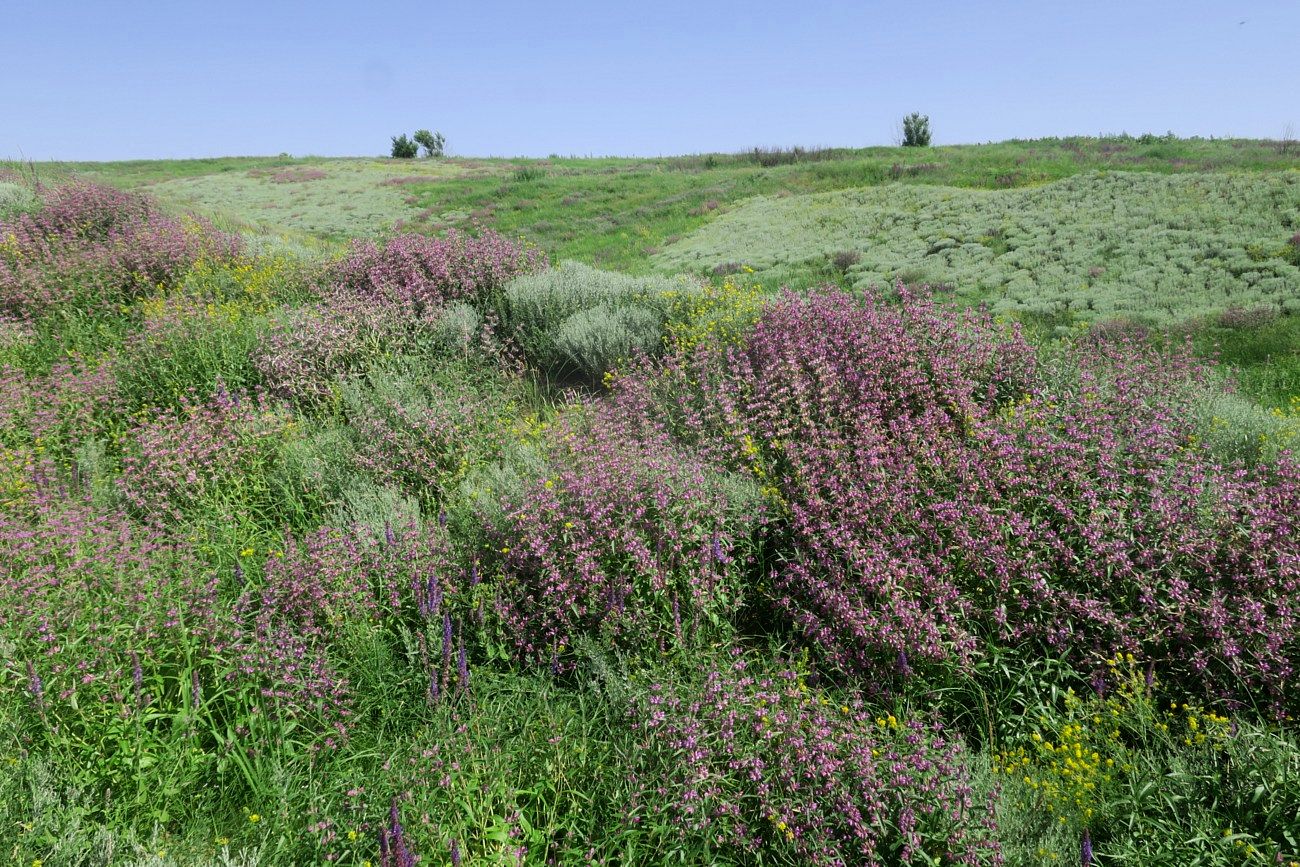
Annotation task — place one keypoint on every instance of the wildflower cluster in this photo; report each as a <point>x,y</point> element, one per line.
<point>723,313</point>
<point>943,484</point>
<point>1070,767</point>
<point>627,536</point>
<point>761,762</point>
<point>93,248</point>
<point>420,273</point>
<point>221,453</point>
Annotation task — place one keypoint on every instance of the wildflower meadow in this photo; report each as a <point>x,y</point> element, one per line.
<point>438,548</point>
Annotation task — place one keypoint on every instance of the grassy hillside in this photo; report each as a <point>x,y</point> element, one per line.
<point>435,550</point>
<point>1054,231</point>
<point>1149,248</point>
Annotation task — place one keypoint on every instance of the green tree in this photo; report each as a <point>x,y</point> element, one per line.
<point>916,130</point>
<point>433,142</point>
<point>404,148</point>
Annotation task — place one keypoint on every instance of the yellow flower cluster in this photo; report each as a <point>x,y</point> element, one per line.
<point>1068,763</point>
<point>714,313</point>
<point>15,477</point>
<point>1067,770</point>
<point>9,248</point>
<point>1287,436</point>
<point>224,293</point>
<point>529,427</point>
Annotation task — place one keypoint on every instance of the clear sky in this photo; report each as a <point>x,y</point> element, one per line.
<point>108,79</point>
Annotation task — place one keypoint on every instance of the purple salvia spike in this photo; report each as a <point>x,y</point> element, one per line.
<point>446,642</point>
<point>462,666</point>
<point>455,853</point>
<point>137,679</point>
<point>388,534</point>
<point>1085,849</point>
<point>36,685</point>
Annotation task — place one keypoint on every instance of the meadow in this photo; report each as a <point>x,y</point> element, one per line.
<point>784,507</point>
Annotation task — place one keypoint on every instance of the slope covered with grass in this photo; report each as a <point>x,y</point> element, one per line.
<point>436,551</point>
<point>1145,247</point>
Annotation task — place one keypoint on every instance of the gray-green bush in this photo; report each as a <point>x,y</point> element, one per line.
<point>577,321</point>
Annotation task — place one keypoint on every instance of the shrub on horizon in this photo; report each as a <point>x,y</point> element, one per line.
<point>404,148</point>
<point>916,130</point>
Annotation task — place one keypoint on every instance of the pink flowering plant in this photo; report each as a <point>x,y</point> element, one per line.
<point>756,762</point>
<point>90,249</point>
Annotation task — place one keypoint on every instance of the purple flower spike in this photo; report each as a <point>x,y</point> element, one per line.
<point>137,679</point>
<point>36,685</point>
<point>462,667</point>
<point>455,854</point>
<point>446,641</point>
<point>1085,849</point>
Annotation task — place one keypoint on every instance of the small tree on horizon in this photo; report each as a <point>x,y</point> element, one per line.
<point>404,148</point>
<point>433,142</point>
<point>916,130</point>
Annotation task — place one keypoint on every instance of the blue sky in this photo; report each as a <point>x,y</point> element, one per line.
<point>117,80</point>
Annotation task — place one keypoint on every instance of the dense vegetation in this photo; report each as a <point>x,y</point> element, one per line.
<point>438,549</point>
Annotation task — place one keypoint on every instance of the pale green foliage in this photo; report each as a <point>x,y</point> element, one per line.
<point>16,199</point>
<point>597,339</point>
<point>351,200</point>
<point>575,319</point>
<point>1237,428</point>
<point>1146,247</point>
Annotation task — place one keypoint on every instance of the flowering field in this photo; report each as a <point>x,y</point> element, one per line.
<point>439,552</point>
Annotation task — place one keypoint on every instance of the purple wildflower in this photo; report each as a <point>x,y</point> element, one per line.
<point>462,667</point>
<point>137,679</point>
<point>36,685</point>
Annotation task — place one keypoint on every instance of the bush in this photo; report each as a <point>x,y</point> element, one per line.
<point>916,130</point>
<point>90,249</point>
<point>755,764</point>
<point>578,321</point>
<point>846,259</point>
<point>626,538</point>
<point>404,148</point>
<point>1066,506</point>
<point>218,461</point>
<point>432,142</point>
<point>421,273</point>
<point>423,434</point>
